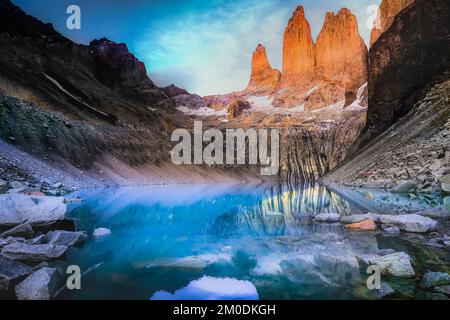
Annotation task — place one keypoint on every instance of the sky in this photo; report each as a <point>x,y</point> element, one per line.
<point>204,46</point>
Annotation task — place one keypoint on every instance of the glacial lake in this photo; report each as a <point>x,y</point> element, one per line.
<point>236,242</point>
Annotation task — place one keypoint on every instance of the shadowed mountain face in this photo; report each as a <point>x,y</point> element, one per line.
<point>405,59</point>
<point>78,102</point>
<point>406,138</point>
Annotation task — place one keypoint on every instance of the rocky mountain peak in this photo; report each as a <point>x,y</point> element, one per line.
<point>116,66</point>
<point>17,23</point>
<point>386,14</point>
<point>263,77</point>
<point>341,54</point>
<point>298,50</point>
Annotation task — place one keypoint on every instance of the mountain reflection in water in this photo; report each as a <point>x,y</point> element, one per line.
<point>169,241</point>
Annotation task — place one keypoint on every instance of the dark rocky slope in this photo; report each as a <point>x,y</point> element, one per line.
<point>76,102</point>
<point>403,61</point>
<point>407,136</point>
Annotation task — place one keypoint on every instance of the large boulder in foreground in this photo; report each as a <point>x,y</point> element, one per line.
<point>11,271</point>
<point>410,222</point>
<point>396,265</point>
<point>36,253</point>
<point>17,209</point>
<point>41,285</point>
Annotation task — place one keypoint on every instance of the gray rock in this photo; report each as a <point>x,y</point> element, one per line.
<point>100,232</point>
<point>17,209</point>
<point>404,187</point>
<point>354,218</point>
<point>327,217</point>
<point>22,230</point>
<point>65,238</point>
<point>384,291</point>
<point>435,279</point>
<point>396,264</point>
<point>435,213</point>
<point>37,240</point>
<point>443,289</point>
<point>40,285</point>
<point>410,222</point>
<point>392,230</point>
<point>11,271</point>
<point>27,252</point>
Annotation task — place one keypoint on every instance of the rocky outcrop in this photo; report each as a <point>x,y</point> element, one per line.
<point>33,253</point>
<point>236,108</point>
<point>410,222</point>
<point>386,14</point>
<point>405,59</point>
<point>298,51</point>
<point>263,78</point>
<point>406,137</point>
<point>341,55</point>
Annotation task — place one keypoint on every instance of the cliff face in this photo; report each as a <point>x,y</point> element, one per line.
<point>404,60</point>
<point>326,73</point>
<point>386,14</point>
<point>340,50</point>
<point>298,51</point>
<point>406,140</point>
<point>263,78</point>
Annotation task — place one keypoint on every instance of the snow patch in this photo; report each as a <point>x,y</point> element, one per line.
<point>202,112</point>
<point>211,288</point>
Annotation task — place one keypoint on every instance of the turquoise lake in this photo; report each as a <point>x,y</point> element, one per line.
<point>234,242</point>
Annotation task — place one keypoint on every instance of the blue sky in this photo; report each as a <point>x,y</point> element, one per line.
<point>203,46</point>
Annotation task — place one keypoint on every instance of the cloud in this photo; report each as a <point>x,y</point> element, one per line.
<point>215,46</point>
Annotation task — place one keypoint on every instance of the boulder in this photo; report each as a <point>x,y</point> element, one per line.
<point>384,291</point>
<point>365,225</point>
<point>27,252</point>
<point>23,230</point>
<point>393,230</point>
<point>100,232</point>
<point>396,265</point>
<point>11,271</point>
<point>40,285</point>
<point>65,238</point>
<point>410,222</point>
<point>327,217</point>
<point>435,279</point>
<point>17,209</point>
<point>354,218</point>
<point>404,187</point>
